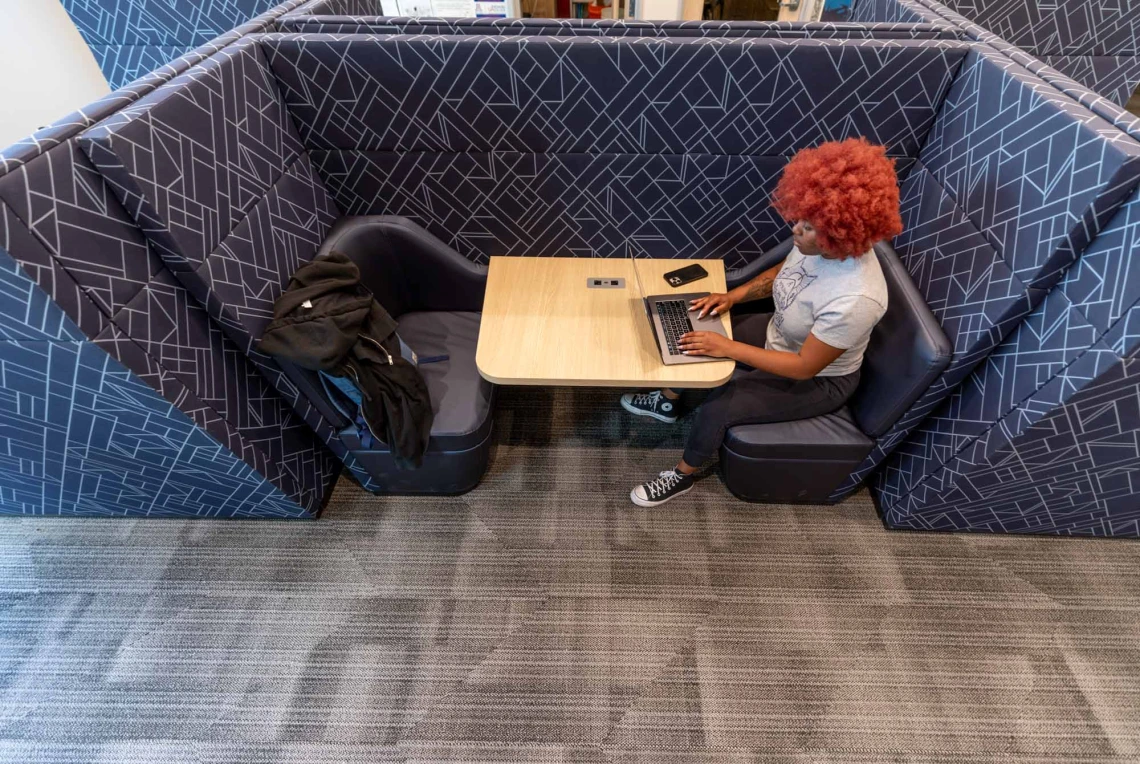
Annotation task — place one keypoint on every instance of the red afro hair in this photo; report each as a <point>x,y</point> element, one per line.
<point>847,190</point>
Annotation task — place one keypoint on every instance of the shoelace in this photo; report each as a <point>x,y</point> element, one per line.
<point>647,398</point>
<point>662,483</point>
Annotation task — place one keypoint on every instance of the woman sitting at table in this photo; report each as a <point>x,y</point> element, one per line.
<point>803,360</point>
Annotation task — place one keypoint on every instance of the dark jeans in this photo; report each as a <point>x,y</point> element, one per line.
<point>756,397</point>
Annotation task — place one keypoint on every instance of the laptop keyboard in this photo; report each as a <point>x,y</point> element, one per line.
<point>674,315</point>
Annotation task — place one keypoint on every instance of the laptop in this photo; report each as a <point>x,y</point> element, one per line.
<point>669,318</point>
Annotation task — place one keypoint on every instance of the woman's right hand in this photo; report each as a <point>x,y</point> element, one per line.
<point>715,304</point>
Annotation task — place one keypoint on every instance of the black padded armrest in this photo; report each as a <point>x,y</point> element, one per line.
<point>405,267</point>
<point>738,276</point>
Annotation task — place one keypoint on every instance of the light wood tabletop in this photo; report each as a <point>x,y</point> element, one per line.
<point>541,325</point>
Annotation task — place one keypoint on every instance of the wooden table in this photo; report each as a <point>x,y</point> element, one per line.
<point>541,325</point>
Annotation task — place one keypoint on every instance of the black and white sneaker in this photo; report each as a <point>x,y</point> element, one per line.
<point>653,404</point>
<point>668,485</point>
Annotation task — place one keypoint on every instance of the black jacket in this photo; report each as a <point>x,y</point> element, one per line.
<point>328,321</point>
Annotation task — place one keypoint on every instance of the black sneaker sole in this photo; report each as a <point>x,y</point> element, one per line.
<point>651,414</point>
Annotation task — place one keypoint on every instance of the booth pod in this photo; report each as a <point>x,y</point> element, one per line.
<point>107,298</point>
<point>685,183</point>
<point>94,315</point>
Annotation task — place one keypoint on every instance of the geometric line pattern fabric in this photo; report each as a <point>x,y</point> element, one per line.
<point>660,143</point>
<point>107,264</point>
<point>586,205</point>
<point>1065,28</point>
<point>27,311</point>
<point>1095,306</point>
<point>122,64</point>
<point>226,196</point>
<point>132,37</point>
<point>88,263</point>
<point>1105,283</point>
<point>1100,104</point>
<point>967,285</point>
<point>1042,346</point>
<point>609,95</point>
<point>83,436</point>
<point>875,12</point>
<point>1037,174</point>
<point>171,22</point>
<point>1115,77</point>
<point>199,172</point>
<point>1036,177</point>
<point>1073,471</point>
<point>69,126</point>
<point>1095,43</point>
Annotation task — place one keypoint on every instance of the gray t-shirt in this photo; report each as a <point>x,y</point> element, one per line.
<point>839,301</point>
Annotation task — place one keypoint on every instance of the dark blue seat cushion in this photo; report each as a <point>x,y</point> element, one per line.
<point>832,437</point>
<point>460,397</point>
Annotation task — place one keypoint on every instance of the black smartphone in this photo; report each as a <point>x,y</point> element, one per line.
<point>686,275</point>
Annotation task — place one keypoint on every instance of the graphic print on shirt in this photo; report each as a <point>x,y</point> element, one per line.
<point>787,288</point>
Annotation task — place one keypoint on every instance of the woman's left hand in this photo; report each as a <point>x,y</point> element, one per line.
<point>705,343</point>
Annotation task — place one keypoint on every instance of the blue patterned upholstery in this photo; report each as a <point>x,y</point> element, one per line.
<point>1116,77</point>
<point>1037,174</point>
<point>678,146</point>
<point>1064,461</point>
<point>1066,28</point>
<point>1091,43</point>
<point>224,192</point>
<point>132,37</point>
<point>1058,399</point>
<point>1017,210</point>
<point>75,268</point>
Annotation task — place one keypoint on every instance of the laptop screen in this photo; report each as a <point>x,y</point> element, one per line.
<point>636,275</point>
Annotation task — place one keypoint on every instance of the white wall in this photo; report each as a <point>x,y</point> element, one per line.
<point>46,69</point>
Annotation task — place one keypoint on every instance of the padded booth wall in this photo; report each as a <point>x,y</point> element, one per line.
<point>1096,42</point>
<point>312,19</point>
<point>676,143</point>
<point>133,37</point>
<point>1042,437</point>
<point>121,397</point>
<point>1093,43</point>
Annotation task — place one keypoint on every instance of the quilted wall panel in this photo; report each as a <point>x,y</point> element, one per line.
<point>1064,27</point>
<point>82,436</point>
<point>679,146</point>
<point>1086,49</point>
<point>223,190</point>
<point>1115,77</point>
<point>509,203</point>
<point>896,11</point>
<point>80,246</point>
<point>1072,471</point>
<point>700,96</point>
<point>1037,174</point>
<point>1084,336</point>
<point>1022,179</point>
<point>132,37</point>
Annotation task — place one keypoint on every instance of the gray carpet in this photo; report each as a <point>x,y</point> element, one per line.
<point>542,618</point>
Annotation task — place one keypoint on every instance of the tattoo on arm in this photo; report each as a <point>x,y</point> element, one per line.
<point>759,287</point>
